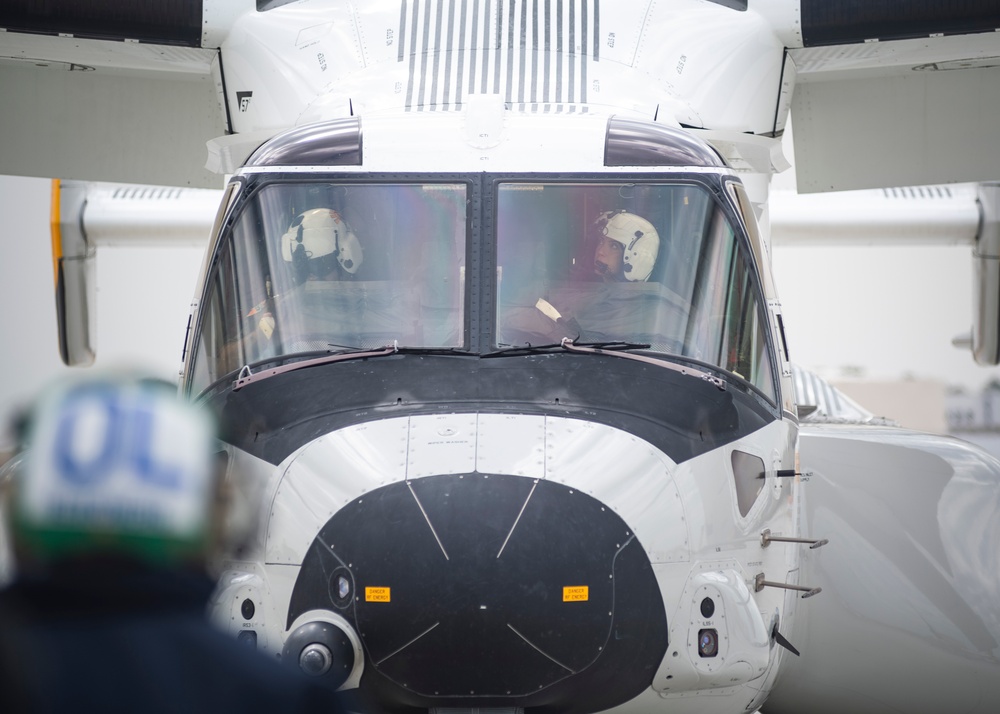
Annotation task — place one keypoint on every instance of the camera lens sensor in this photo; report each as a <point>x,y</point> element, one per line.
<point>708,643</point>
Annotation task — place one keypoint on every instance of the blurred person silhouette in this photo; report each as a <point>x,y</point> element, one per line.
<point>113,510</point>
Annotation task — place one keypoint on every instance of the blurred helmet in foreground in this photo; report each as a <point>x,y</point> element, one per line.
<point>114,463</point>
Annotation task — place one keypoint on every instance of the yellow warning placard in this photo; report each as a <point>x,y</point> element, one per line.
<point>376,594</point>
<point>576,593</point>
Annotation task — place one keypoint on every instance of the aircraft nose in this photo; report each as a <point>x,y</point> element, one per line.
<point>473,586</point>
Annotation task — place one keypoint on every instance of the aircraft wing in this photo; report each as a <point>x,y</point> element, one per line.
<point>907,619</point>
<point>883,92</point>
<point>110,90</point>
<point>896,93</point>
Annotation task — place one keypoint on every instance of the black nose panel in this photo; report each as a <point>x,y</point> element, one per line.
<point>487,590</point>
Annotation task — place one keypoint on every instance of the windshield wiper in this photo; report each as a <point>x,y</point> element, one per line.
<point>584,348</point>
<point>246,376</point>
<point>433,351</point>
<point>530,349</point>
<point>612,345</point>
<point>525,349</point>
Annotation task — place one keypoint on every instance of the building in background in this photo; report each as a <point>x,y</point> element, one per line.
<point>912,403</point>
<point>975,416</point>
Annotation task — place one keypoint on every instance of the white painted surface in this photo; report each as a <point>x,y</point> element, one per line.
<point>143,298</point>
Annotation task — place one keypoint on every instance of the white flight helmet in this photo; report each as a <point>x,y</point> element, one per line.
<point>115,462</point>
<point>318,233</point>
<point>640,239</point>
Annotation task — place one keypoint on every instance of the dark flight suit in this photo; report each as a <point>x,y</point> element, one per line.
<point>112,638</point>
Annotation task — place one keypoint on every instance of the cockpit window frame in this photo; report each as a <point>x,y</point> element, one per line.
<point>716,186</point>
<point>479,309</point>
<point>252,184</point>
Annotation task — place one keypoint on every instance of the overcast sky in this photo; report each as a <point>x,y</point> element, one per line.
<point>879,312</point>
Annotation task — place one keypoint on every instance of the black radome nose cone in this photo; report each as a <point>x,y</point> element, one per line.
<point>475,588</point>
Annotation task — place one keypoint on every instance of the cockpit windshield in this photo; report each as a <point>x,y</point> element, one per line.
<point>319,266</point>
<point>325,266</point>
<point>637,262</point>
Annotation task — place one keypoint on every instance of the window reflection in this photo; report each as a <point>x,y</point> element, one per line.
<point>655,264</point>
<point>315,267</point>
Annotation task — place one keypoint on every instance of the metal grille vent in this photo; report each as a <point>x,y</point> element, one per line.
<point>534,53</point>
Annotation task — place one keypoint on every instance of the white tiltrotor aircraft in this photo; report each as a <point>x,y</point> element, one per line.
<point>487,319</point>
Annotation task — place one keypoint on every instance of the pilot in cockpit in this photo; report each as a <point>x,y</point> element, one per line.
<point>627,247</point>
<point>626,252</point>
<point>319,245</point>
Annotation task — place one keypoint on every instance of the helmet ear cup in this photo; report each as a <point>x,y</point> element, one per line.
<point>300,260</point>
<point>349,252</point>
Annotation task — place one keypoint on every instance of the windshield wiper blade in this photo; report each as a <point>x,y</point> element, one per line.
<point>611,345</point>
<point>530,349</point>
<point>433,351</point>
<point>246,377</point>
<point>584,348</point>
<point>525,349</point>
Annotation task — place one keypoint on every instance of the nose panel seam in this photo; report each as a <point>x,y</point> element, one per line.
<point>517,520</point>
<point>427,518</point>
